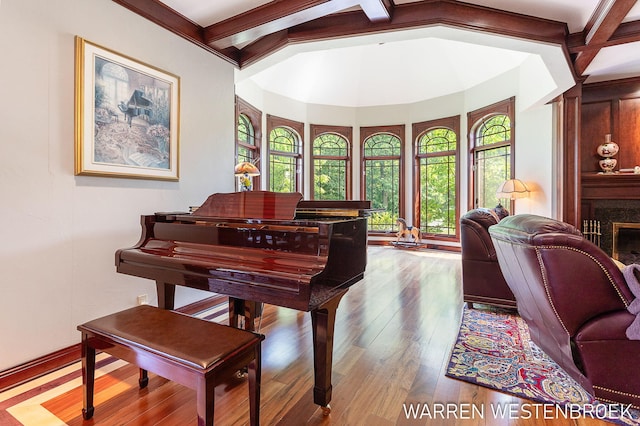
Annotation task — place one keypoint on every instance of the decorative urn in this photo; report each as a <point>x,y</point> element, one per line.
<point>608,164</point>
<point>607,150</point>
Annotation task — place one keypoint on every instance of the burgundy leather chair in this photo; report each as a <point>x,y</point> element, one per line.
<point>482,280</point>
<point>574,300</point>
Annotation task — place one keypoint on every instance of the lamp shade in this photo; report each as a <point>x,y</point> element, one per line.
<point>512,189</point>
<point>247,168</point>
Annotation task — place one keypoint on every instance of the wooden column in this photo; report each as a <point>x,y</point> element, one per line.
<point>569,169</point>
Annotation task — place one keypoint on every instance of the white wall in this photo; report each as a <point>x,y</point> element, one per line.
<point>534,125</point>
<point>60,231</point>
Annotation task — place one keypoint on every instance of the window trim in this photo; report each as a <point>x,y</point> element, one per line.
<point>418,130</point>
<point>346,132</point>
<point>298,128</point>
<point>255,117</point>
<point>474,119</point>
<point>397,130</point>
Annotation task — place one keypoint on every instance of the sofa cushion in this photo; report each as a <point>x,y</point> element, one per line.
<point>532,229</point>
<point>482,216</point>
<point>482,280</point>
<point>609,326</point>
<point>500,211</point>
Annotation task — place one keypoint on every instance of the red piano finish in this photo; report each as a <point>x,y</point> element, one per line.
<point>303,258</point>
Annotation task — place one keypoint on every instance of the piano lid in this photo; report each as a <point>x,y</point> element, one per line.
<point>251,205</point>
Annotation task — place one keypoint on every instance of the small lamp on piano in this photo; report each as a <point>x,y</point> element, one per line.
<point>245,171</point>
<point>512,189</point>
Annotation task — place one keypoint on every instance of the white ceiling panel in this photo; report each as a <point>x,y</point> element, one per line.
<point>208,12</point>
<point>575,13</point>
<point>386,73</point>
<point>615,62</point>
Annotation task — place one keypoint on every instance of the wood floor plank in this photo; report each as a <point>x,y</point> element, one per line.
<point>393,337</point>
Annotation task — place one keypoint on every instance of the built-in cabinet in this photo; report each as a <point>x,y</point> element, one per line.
<point>611,107</point>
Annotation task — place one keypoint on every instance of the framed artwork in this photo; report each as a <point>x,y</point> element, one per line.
<point>127,116</point>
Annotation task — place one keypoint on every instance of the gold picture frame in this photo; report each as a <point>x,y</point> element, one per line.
<point>127,116</point>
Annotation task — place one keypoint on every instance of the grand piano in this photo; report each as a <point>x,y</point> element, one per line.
<point>259,247</point>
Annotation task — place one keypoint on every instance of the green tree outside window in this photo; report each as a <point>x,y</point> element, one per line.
<point>436,152</point>
<point>492,159</point>
<point>284,160</point>
<point>330,158</point>
<point>382,154</point>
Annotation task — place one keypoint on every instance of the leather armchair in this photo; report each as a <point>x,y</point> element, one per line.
<point>574,299</point>
<point>482,280</point>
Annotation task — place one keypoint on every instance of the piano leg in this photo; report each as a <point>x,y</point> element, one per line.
<point>323,323</point>
<point>166,295</point>
<point>246,309</point>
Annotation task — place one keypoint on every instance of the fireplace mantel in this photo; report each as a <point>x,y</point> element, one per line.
<point>616,186</point>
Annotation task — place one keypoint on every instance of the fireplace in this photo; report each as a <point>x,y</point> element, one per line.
<point>610,212</point>
<point>626,242</point>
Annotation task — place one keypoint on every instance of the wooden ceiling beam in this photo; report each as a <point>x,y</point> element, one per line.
<point>377,10</point>
<point>606,20</point>
<point>263,47</point>
<point>627,32</point>
<point>164,16</point>
<point>414,15</point>
<point>269,19</point>
<point>441,12</point>
<point>159,13</point>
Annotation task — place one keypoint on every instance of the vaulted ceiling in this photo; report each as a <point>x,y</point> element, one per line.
<point>340,51</point>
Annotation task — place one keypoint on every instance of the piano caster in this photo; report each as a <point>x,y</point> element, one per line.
<point>326,410</point>
<point>87,413</point>
<point>143,381</point>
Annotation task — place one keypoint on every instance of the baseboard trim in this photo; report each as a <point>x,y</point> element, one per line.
<point>38,367</point>
<point>425,244</point>
<point>204,304</point>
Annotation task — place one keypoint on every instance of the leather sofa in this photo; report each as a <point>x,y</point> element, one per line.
<point>482,280</point>
<point>574,299</point>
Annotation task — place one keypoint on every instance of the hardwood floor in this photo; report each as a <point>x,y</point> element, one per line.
<point>393,335</point>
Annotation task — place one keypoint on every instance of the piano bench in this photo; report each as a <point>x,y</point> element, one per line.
<point>193,352</point>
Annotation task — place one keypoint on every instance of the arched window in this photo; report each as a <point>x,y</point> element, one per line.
<point>285,155</point>
<point>246,139</point>
<point>436,156</point>
<point>248,134</point>
<point>382,176</point>
<point>116,84</point>
<point>492,142</point>
<point>331,163</point>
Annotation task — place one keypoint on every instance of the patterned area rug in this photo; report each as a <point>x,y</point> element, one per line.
<point>494,350</point>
